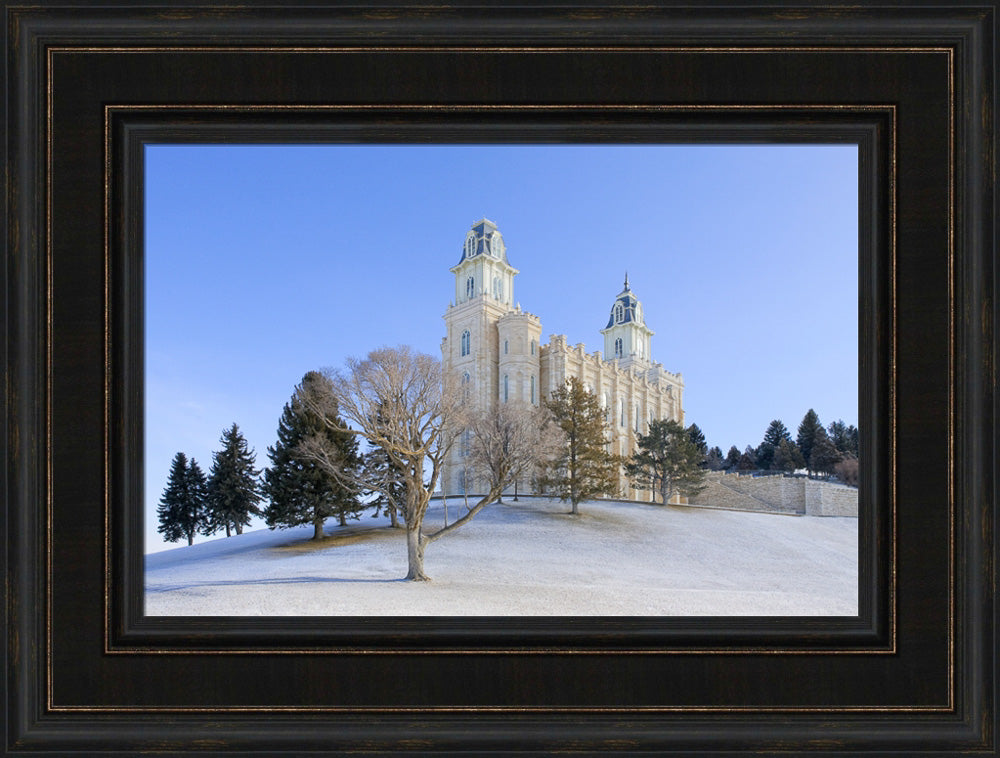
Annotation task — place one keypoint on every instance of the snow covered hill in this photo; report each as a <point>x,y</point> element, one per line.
<point>526,558</point>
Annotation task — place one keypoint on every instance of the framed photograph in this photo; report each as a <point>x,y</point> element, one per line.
<point>304,225</point>
<point>169,171</point>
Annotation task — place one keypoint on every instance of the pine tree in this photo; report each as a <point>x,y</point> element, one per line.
<point>776,432</point>
<point>234,489</point>
<point>668,461</point>
<point>582,469</point>
<point>300,490</point>
<point>698,438</point>
<point>809,430</point>
<point>844,437</point>
<point>748,459</point>
<point>714,460</point>
<point>825,455</point>
<point>387,484</point>
<point>787,456</point>
<point>733,458</point>
<point>182,506</point>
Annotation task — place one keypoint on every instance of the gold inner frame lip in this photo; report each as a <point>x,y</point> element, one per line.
<point>535,49</point>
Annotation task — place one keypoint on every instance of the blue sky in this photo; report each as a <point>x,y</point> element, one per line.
<point>264,262</point>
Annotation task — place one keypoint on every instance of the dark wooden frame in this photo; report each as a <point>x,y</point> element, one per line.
<point>87,673</point>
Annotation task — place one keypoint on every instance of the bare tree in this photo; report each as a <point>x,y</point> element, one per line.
<point>509,441</point>
<point>400,401</point>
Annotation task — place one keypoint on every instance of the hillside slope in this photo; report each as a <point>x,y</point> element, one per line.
<point>527,558</point>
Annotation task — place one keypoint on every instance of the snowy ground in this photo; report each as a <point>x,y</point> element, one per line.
<point>526,558</point>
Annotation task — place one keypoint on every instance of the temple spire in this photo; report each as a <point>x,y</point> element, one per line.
<point>626,280</point>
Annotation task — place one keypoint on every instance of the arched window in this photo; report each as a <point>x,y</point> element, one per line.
<point>466,342</point>
<point>532,347</point>
<point>466,385</point>
<point>607,407</point>
<point>470,287</point>
<point>466,443</point>
<point>621,413</point>
<point>637,418</point>
<point>532,389</point>
<point>506,347</point>
<point>619,313</point>
<point>506,388</point>
<point>497,288</point>
<point>618,348</point>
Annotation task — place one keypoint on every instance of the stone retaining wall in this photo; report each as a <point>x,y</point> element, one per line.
<point>777,494</point>
<point>828,499</point>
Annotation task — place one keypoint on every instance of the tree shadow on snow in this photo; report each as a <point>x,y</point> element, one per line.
<point>264,582</point>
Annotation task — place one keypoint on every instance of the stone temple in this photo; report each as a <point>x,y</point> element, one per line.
<point>496,349</point>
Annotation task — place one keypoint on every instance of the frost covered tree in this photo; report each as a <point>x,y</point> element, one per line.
<point>301,489</point>
<point>400,401</point>
<point>667,461</point>
<point>234,489</point>
<point>583,468</point>
<point>509,441</point>
<point>182,508</point>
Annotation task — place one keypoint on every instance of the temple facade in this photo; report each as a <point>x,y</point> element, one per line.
<point>495,348</point>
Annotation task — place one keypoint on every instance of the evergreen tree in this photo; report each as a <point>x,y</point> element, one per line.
<point>182,506</point>
<point>748,459</point>
<point>300,489</point>
<point>698,438</point>
<point>825,455</point>
<point>776,432</point>
<point>809,430</point>
<point>234,489</point>
<point>844,437</point>
<point>714,460</point>
<point>733,458</point>
<point>668,461</point>
<point>387,484</point>
<point>787,456</point>
<point>582,469</point>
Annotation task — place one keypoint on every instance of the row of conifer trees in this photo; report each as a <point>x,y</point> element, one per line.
<point>818,449</point>
<point>293,489</point>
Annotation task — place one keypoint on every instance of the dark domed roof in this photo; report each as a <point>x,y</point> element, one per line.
<point>485,237</point>
<point>630,306</point>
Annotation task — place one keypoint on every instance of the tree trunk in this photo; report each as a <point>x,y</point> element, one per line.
<point>228,533</point>
<point>575,511</point>
<point>239,528</point>
<point>317,529</point>
<point>415,555</point>
<point>392,518</point>
<point>190,539</point>
<point>343,520</point>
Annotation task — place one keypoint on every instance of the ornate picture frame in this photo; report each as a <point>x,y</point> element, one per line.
<point>87,673</point>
